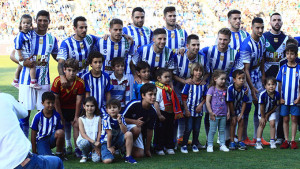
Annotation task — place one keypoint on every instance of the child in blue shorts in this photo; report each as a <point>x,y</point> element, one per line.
<point>288,87</point>
<point>114,133</point>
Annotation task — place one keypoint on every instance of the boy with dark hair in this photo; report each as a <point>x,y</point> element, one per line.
<point>68,101</point>
<point>140,116</point>
<point>47,120</point>
<point>114,133</point>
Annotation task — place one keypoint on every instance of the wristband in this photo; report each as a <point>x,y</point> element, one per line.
<point>21,63</point>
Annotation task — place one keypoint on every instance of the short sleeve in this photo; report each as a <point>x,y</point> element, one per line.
<point>229,96</point>
<point>245,53</point>
<point>19,41</point>
<point>279,75</point>
<point>245,97</point>
<point>108,86</point>
<point>152,119</point>
<point>56,86</point>
<point>63,51</point>
<point>186,89</point>
<point>210,91</point>
<point>137,55</point>
<point>55,47</point>
<point>159,95</point>
<point>261,99</point>
<point>81,89</point>
<point>106,123</point>
<point>59,125</point>
<point>35,122</point>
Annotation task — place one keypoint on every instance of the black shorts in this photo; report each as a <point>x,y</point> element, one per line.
<point>68,114</point>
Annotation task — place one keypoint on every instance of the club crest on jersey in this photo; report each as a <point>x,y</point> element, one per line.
<point>222,57</point>
<point>141,33</point>
<point>81,46</point>
<point>236,36</point>
<point>267,44</point>
<point>275,40</point>
<point>116,46</point>
<point>172,35</point>
<point>73,53</point>
<point>157,59</point>
<point>105,51</point>
<point>41,41</point>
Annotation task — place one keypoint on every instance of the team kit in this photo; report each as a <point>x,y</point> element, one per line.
<point>137,91</point>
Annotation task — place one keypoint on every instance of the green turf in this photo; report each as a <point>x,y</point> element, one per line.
<point>250,158</point>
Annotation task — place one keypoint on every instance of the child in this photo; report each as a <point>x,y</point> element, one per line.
<point>167,107</point>
<point>97,82</point>
<point>143,73</point>
<point>68,101</point>
<point>119,81</point>
<point>89,130</point>
<point>193,97</point>
<point>23,50</point>
<point>288,87</point>
<point>237,99</point>
<point>46,129</point>
<point>268,102</point>
<point>114,134</point>
<point>217,108</point>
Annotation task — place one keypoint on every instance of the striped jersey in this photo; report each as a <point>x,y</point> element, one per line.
<point>268,101</point>
<point>146,53</point>
<point>23,42</point>
<point>251,52</point>
<point>195,95</point>
<point>42,47</point>
<point>275,46</point>
<point>176,38</point>
<point>97,86</point>
<point>45,126</point>
<point>109,123</point>
<point>237,97</point>
<point>141,36</point>
<point>79,50</point>
<point>219,60</point>
<point>110,50</point>
<point>237,38</point>
<point>289,77</point>
<point>121,89</point>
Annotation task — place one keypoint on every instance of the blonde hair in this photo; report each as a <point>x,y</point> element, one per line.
<point>196,66</point>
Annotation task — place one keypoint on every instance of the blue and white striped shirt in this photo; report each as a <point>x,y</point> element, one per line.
<point>97,86</point>
<point>237,38</point>
<point>42,47</point>
<point>237,97</point>
<point>45,126</point>
<point>252,52</point>
<point>110,50</point>
<point>79,50</point>
<point>268,101</point>
<point>146,53</point>
<point>23,42</point>
<point>176,38</point>
<point>195,95</point>
<point>108,123</point>
<point>289,77</point>
<point>141,36</point>
<point>121,89</point>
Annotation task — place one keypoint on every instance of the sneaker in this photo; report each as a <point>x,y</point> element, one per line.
<point>170,151</point>
<point>273,145</point>
<point>248,142</point>
<point>294,145</point>
<point>224,148</point>
<point>35,86</point>
<point>15,84</point>
<point>62,157</point>
<point>83,160</point>
<point>254,140</point>
<point>285,145</point>
<point>279,141</point>
<point>258,146</point>
<point>200,146</point>
<point>195,149</point>
<point>184,149</point>
<point>232,146</point>
<point>210,149</point>
<point>69,150</point>
<point>264,142</point>
<point>236,139</point>
<point>242,146</point>
<point>130,160</point>
<point>160,152</point>
<point>78,153</point>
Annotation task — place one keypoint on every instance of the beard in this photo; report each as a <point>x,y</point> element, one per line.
<point>276,29</point>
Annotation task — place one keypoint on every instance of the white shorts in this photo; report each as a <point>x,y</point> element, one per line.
<point>139,141</point>
<point>272,117</point>
<point>259,86</point>
<point>31,98</point>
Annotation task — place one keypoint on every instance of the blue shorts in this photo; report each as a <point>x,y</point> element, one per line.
<point>45,145</point>
<point>117,141</point>
<point>285,110</point>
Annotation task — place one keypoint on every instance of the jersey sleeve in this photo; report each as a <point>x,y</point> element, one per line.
<point>137,55</point>
<point>159,96</point>
<point>95,39</point>
<point>152,119</point>
<point>229,95</point>
<point>59,125</point>
<point>245,53</point>
<point>81,88</point>
<point>63,51</point>
<point>245,97</point>
<point>129,110</point>
<point>279,75</point>
<point>108,86</point>
<point>171,61</point>
<point>19,40</point>
<point>210,91</point>
<point>56,86</point>
<point>35,122</point>
<point>125,31</point>
<point>86,82</point>
<point>55,47</point>
<point>261,98</point>
<point>105,122</point>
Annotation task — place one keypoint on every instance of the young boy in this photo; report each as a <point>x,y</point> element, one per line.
<point>114,133</point>
<point>268,102</point>
<point>140,116</point>
<point>46,129</point>
<point>237,99</point>
<point>68,101</point>
<point>288,87</point>
<point>119,81</point>
<point>97,82</point>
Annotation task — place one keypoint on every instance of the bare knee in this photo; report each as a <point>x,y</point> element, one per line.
<point>128,134</point>
<point>107,161</point>
<point>59,133</point>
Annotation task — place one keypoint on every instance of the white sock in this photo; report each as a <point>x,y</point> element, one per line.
<point>69,143</point>
<point>258,140</point>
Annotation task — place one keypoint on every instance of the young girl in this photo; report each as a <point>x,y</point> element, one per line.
<point>23,50</point>
<point>217,108</point>
<point>193,97</point>
<point>143,72</point>
<point>89,130</point>
<point>268,102</point>
<point>167,107</point>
